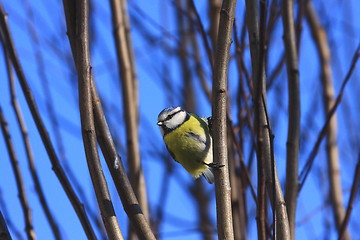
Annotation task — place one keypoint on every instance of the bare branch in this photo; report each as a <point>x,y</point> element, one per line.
<point>293,139</point>
<point>220,95</point>
<point>29,153</point>
<point>4,232</point>
<point>19,178</point>
<point>264,152</point>
<point>214,10</point>
<point>354,190</point>
<point>310,160</point>
<point>117,171</point>
<point>126,68</point>
<point>82,61</point>
<point>203,34</point>
<point>78,207</point>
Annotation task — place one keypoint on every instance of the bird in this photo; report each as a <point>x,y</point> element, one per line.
<point>188,139</point>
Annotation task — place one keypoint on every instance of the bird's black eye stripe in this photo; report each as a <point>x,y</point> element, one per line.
<point>171,115</point>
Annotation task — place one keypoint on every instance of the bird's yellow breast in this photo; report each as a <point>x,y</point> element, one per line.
<point>190,145</point>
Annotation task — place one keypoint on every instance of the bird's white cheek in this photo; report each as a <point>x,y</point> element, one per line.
<point>176,120</point>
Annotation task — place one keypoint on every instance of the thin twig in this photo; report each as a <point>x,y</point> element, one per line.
<point>354,190</point>
<point>310,160</point>
<point>28,149</point>
<point>18,176</point>
<point>261,142</point>
<point>252,21</point>
<point>4,231</point>
<point>78,207</point>
<point>203,35</point>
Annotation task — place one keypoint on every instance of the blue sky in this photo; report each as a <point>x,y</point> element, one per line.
<point>154,64</point>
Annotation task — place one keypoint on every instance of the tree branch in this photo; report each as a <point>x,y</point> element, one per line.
<point>87,121</point>
<point>19,178</point>
<point>107,145</point>
<point>354,190</point>
<point>4,231</point>
<point>78,207</point>
<point>320,38</point>
<point>219,93</point>
<point>126,68</point>
<point>264,152</point>
<point>293,138</point>
<point>28,149</point>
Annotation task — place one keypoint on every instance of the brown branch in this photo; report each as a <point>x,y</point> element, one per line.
<point>126,68</point>
<point>258,79</point>
<point>198,63</point>
<point>188,39</point>
<point>107,145</point>
<point>183,32</point>
<point>354,190</point>
<point>4,231</point>
<point>28,149</point>
<point>117,171</point>
<point>214,14</point>
<point>78,207</point>
<point>203,34</point>
<point>264,150</point>
<point>293,138</point>
<point>219,94</point>
<point>18,176</point>
<point>320,38</point>
<point>12,227</point>
<point>310,160</point>
<point>82,62</point>
<point>202,205</point>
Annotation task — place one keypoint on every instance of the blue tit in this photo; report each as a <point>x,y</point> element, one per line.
<point>188,140</point>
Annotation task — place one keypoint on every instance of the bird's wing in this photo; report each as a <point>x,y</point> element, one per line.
<point>199,139</point>
<point>171,153</point>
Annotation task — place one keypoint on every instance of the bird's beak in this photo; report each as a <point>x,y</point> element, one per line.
<point>159,123</point>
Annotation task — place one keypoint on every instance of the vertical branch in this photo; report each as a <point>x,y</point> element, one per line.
<point>29,153</point>
<point>354,190</point>
<point>87,122</point>
<point>252,22</point>
<point>183,32</point>
<point>219,93</point>
<point>78,207</point>
<point>18,176</point>
<point>187,36</point>
<point>264,152</point>
<point>310,160</point>
<point>127,81</point>
<point>214,14</point>
<point>4,231</point>
<point>320,38</point>
<point>293,138</point>
<point>203,34</point>
<point>202,205</point>
<point>107,145</point>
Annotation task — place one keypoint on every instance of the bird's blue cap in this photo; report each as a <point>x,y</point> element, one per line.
<point>167,110</point>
